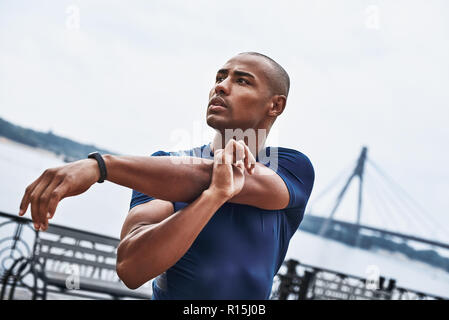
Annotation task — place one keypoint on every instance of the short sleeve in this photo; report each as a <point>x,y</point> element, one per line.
<point>298,174</point>
<point>138,197</point>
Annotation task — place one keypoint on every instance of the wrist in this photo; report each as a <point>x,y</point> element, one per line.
<point>95,168</point>
<point>217,195</point>
<point>101,165</point>
<point>108,163</point>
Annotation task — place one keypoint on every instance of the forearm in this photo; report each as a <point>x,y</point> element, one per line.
<point>165,178</point>
<point>150,250</point>
<point>171,179</point>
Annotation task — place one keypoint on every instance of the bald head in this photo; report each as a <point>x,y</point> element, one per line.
<point>278,78</point>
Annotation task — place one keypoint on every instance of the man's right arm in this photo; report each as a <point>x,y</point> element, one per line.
<point>154,238</point>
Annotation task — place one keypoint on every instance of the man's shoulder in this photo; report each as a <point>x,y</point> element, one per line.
<point>288,154</point>
<point>286,150</point>
<point>194,152</point>
<point>160,153</point>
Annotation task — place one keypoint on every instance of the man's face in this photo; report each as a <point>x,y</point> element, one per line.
<point>241,95</point>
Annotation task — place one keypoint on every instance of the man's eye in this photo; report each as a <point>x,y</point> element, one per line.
<point>219,79</point>
<point>242,80</point>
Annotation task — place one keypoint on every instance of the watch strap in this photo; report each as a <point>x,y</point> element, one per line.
<point>101,165</point>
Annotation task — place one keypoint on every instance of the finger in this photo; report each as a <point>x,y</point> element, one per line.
<point>228,154</point>
<point>250,161</point>
<point>239,152</point>
<point>35,197</point>
<point>246,159</point>
<point>26,197</point>
<point>56,196</point>
<point>45,199</point>
<point>240,165</point>
<point>218,156</point>
<point>234,151</point>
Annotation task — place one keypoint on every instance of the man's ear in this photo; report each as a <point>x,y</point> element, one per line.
<point>277,105</point>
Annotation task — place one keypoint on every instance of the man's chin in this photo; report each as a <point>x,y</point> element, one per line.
<point>221,124</point>
<point>215,122</point>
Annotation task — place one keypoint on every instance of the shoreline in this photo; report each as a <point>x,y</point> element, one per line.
<point>45,152</point>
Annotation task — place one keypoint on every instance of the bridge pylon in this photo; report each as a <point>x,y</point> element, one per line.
<point>358,172</point>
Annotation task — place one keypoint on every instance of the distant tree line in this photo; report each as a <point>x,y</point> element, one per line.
<point>70,150</point>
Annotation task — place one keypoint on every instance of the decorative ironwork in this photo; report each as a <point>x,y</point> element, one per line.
<point>296,281</point>
<point>62,260</point>
<point>46,268</point>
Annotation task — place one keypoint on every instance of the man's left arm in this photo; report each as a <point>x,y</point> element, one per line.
<point>265,189</point>
<point>286,182</point>
<point>162,178</point>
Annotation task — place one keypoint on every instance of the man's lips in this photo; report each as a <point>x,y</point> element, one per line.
<point>214,108</point>
<point>217,102</point>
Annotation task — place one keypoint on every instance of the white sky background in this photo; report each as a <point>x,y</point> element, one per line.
<point>130,76</point>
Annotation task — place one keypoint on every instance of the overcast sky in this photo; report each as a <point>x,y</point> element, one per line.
<point>134,77</point>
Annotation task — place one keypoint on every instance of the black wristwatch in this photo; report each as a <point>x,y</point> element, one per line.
<point>103,173</point>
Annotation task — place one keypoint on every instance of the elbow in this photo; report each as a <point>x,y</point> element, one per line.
<point>130,275</point>
<point>130,270</point>
<point>123,267</point>
<point>126,276</point>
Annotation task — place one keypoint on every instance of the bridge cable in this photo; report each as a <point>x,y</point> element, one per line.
<point>378,211</point>
<point>416,207</point>
<point>384,204</point>
<point>329,187</point>
<point>408,222</point>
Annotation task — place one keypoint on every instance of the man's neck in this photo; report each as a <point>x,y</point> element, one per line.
<point>220,141</point>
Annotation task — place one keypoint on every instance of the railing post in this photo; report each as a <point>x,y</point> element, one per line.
<point>385,291</point>
<point>305,284</point>
<point>287,279</point>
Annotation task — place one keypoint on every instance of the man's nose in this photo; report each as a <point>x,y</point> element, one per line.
<point>223,88</point>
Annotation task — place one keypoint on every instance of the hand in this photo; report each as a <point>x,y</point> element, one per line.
<point>228,176</point>
<point>56,184</point>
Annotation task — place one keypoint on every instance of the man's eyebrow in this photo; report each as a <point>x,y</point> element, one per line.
<point>237,73</point>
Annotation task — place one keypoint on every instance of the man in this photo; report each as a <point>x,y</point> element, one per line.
<point>217,228</point>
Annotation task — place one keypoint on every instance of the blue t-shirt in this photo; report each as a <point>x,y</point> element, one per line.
<point>241,248</point>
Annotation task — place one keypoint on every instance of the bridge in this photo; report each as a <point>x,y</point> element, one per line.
<point>394,209</point>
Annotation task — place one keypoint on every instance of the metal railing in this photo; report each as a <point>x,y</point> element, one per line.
<point>296,281</point>
<point>61,261</point>
<point>30,260</point>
